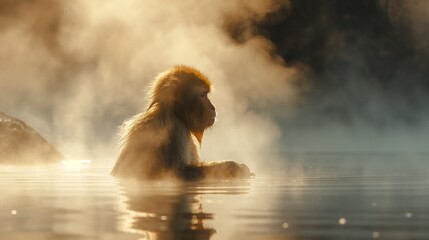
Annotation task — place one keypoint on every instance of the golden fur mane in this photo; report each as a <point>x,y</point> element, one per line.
<point>158,90</point>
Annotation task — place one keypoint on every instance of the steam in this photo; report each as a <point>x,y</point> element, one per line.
<point>368,92</point>
<point>411,16</point>
<point>76,69</point>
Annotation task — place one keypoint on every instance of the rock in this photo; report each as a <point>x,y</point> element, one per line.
<point>21,144</point>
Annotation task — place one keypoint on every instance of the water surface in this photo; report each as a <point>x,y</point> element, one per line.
<point>315,196</point>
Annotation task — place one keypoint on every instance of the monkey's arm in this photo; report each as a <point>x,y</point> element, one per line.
<point>217,170</point>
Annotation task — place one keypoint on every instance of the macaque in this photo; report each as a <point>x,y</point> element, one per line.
<point>162,141</point>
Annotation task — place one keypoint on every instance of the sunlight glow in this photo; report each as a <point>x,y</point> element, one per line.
<point>75,165</point>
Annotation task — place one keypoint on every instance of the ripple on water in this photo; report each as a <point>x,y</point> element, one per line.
<point>326,201</point>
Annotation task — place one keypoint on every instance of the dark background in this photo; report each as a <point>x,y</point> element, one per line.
<point>365,65</point>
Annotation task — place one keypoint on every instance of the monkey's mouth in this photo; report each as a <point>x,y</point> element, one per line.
<point>214,117</point>
<point>210,121</point>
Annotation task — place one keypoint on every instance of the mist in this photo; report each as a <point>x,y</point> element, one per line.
<point>289,76</point>
<point>75,70</point>
<point>324,100</point>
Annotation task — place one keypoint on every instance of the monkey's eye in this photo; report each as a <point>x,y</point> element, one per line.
<point>203,95</point>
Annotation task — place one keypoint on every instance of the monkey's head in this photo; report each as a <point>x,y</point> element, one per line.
<point>184,91</point>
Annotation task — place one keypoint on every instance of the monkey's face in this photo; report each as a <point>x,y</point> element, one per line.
<point>200,112</point>
<point>209,110</point>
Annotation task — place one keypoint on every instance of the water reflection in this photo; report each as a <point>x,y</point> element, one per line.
<point>329,197</point>
<point>165,211</point>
